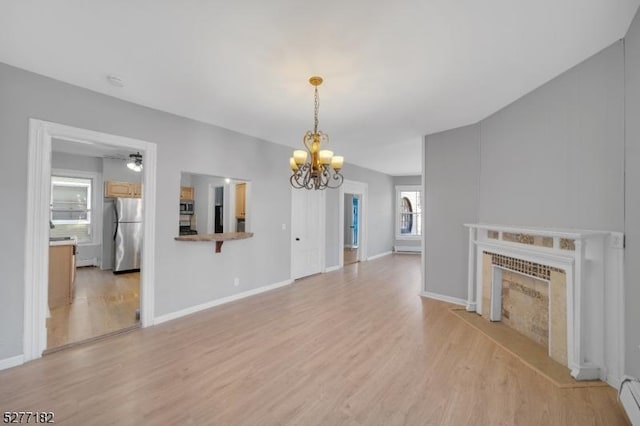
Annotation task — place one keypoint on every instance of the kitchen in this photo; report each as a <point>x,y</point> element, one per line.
<point>96,236</point>
<point>212,204</point>
<point>95,241</point>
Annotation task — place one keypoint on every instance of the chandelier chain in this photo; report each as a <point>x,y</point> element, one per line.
<point>316,108</point>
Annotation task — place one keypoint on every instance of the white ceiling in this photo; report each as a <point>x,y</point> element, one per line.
<point>394,70</point>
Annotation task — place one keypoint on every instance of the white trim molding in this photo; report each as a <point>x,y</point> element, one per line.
<point>407,249</point>
<point>362,189</point>
<point>14,361</point>
<point>332,268</point>
<point>37,225</point>
<point>398,207</point>
<point>592,262</point>
<point>217,302</point>
<point>377,256</point>
<point>444,298</point>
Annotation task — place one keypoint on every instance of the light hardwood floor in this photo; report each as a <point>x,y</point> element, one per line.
<point>103,303</point>
<point>350,255</point>
<point>356,346</point>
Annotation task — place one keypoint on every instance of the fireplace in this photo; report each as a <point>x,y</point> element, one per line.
<point>560,288</point>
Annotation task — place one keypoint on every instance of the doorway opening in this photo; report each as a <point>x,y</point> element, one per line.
<point>92,236</point>
<point>71,292</point>
<point>351,228</point>
<point>353,222</point>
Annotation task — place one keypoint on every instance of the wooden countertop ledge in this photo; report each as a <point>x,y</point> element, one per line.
<point>218,238</point>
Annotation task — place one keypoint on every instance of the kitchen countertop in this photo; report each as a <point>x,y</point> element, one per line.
<point>225,236</point>
<point>218,238</point>
<point>71,242</point>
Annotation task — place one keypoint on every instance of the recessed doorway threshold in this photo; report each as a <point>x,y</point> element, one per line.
<point>91,339</point>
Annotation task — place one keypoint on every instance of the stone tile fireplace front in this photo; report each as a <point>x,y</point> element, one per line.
<point>553,286</point>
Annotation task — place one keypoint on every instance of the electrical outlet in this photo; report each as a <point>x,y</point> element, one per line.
<point>284,226</point>
<point>236,281</point>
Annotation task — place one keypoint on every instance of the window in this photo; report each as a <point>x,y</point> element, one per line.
<point>409,212</point>
<point>71,207</point>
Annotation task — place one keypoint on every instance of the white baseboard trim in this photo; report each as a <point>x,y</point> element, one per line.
<point>386,253</point>
<point>408,249</point>
<point>332,268</point>
<point>614,381</point>
<point>87,262</point>
<point>193,309</point>
<point>14,361</point>
<point>443,298</point>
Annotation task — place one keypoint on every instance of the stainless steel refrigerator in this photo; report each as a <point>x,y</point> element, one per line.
<point>128,234</point>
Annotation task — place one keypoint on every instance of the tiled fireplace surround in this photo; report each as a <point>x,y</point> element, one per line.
<point>580,272</point>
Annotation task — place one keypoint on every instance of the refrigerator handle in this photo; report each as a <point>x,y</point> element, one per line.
<point>115,209</point>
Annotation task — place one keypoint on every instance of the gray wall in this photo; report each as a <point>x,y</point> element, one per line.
<point>451,171</point>
<point>406,180</point>
<point>183,144</point>
<point>632,197</point>
<point>62,160</point>
<point>379,215</point>
<point>201,184</point>
<point>117,170</point>
<point>555,157</point>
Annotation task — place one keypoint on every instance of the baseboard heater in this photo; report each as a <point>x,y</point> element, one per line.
<point>630,398</point>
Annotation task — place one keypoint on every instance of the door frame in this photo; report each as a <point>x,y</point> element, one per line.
<point>361,189</point>
<point>36,271</point>
<point>322,228</point>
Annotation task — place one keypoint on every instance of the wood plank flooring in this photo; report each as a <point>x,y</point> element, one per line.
<point>356,346</point>
<point>103,303</point>
<point>350,255</point>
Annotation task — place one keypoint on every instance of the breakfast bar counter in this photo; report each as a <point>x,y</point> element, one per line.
<point>218,238</point>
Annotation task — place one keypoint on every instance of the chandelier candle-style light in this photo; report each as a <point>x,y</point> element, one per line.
<point>315,168</point>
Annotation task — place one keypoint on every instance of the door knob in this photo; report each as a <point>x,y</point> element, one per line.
<point>297,239</point>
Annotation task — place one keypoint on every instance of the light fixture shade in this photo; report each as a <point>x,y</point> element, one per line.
<point>292,164</point>
<point>337,162</point>
<point>135,162</point>
<point>300,156</point>
<point>325,156</point>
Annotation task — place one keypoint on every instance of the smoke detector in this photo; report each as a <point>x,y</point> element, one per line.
<point>114,80</point>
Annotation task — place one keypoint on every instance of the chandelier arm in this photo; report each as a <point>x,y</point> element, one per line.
<point>338,178</point>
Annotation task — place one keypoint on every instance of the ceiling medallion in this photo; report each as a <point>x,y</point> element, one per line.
<point>315,168</point>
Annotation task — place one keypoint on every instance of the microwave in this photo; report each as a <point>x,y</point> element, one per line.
<point>186,207</point>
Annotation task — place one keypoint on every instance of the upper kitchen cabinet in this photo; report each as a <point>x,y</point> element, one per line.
<point>114,189</point>
<point>137,190</point>
<point>241,200</point>
<point>187,193</point>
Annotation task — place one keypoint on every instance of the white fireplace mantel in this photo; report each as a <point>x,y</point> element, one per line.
<point>593,268</point>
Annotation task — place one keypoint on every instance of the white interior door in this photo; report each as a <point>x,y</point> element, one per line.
<point>306,232</point>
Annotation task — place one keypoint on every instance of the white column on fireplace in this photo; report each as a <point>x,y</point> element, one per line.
<point>593,269</point>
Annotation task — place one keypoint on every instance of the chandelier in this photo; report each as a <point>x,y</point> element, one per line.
<point>315,168</point>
